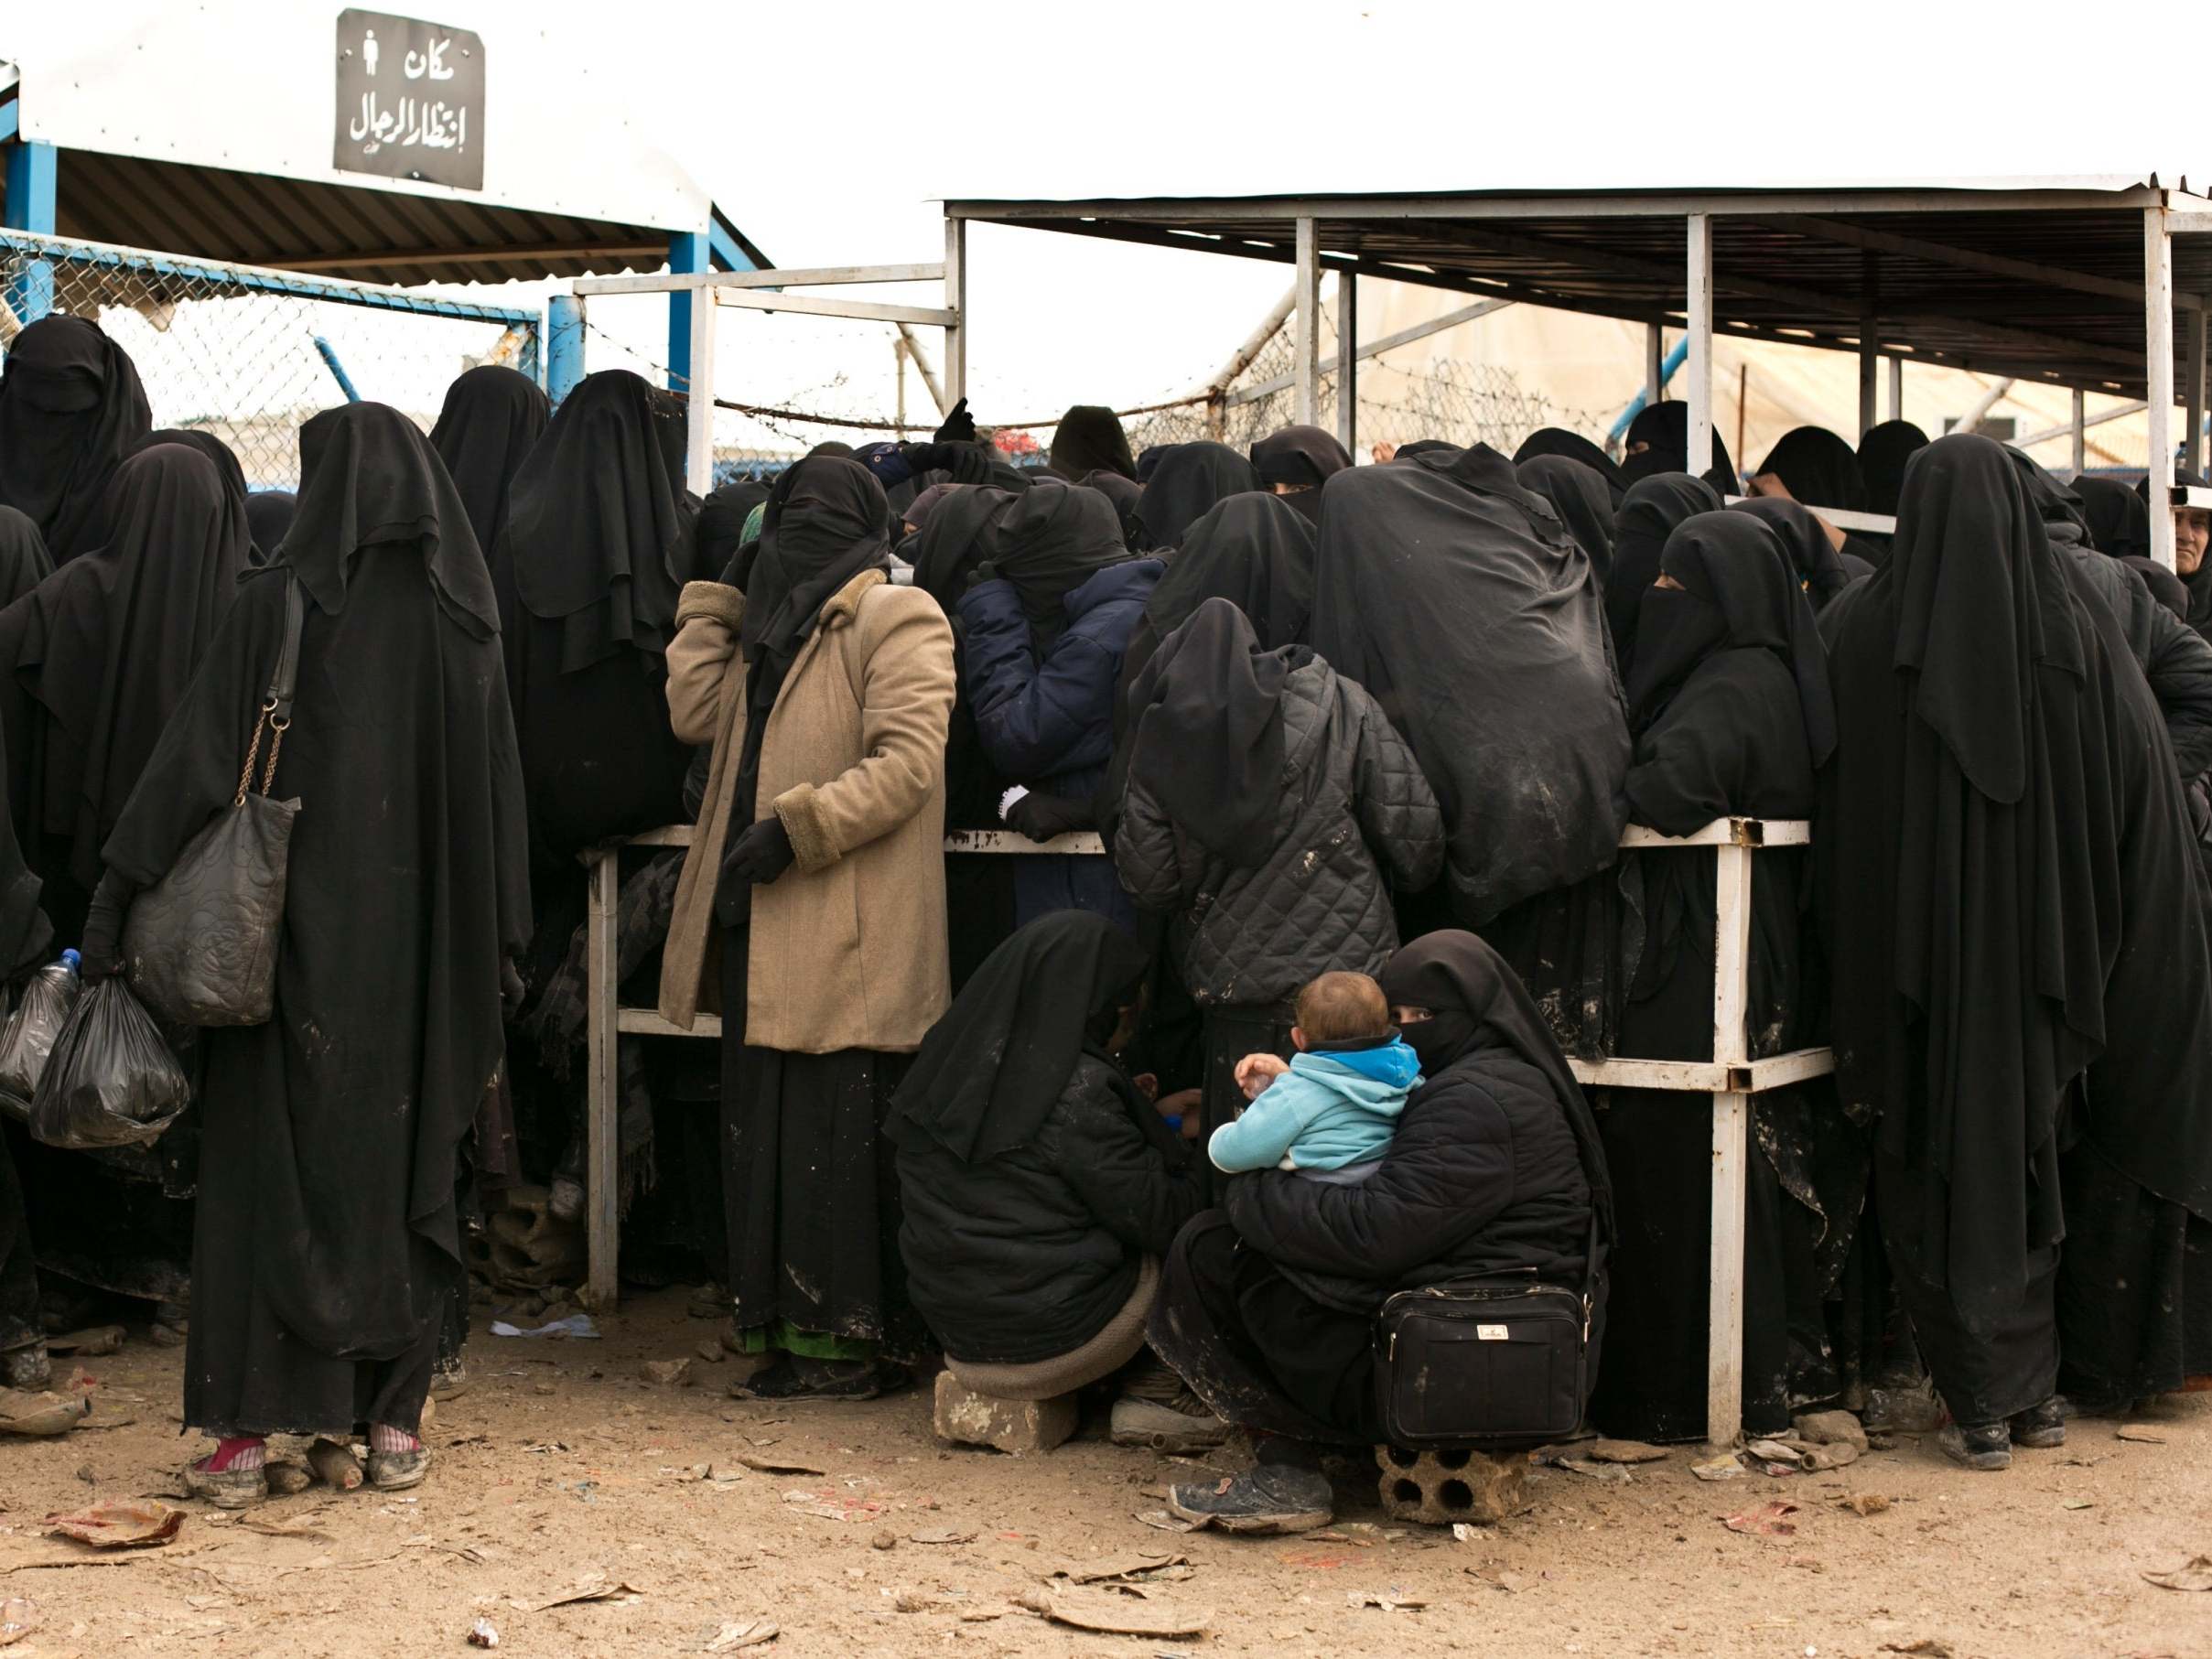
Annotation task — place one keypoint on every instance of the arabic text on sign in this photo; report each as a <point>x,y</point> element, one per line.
<point>419,121</point>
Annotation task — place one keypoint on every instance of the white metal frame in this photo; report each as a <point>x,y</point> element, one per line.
<point>1728,1081</point>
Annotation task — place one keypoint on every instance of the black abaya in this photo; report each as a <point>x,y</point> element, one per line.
<point>1189,480</point>
<point>24,560</point>
<point>1658,441</point>
<point>1558,444</point>
<point>328,1235</point>
<point>1648,514</point>
<point>1584,501</point>
<point>70,410</point>
<point>492,417</point>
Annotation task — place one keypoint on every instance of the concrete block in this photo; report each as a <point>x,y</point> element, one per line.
<point>967,1418</point>
<point>1438,1488</point>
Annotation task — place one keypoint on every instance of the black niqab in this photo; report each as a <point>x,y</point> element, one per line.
<point>1649,512</point>
<point>24,563</point>
<point>2119,520</point>
<point>991,1071</point>
<point>70,410</point>
<point>1805,542</point>
<point>1048,539</point>
<point>493,416</point>
<point>1884,450</point>
<point>1559,442</point>
<point>1190,479</point>
<point>1584,501</point>
<point>1664,429</point>
<point>1208,738</point>
<point>1819,468</point>
<point>269,514</point>
<point>1088,439</point>
<point>1127,496</point>
<point>596,525</point>
<point>824,527</point>
<point>720,529</point>
<point>216,450</point>
<point>1303,456</point>
<point>1252,550</point>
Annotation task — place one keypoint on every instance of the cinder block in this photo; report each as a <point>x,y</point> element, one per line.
<point>969,1419</point>
<point>1438,1488</point>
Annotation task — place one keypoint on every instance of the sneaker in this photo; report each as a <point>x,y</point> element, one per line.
<point>709,1301</point>
<point>29,1367</point>
<point>2121,1406</point>
<point>397,1471</point>
<point>1987,1446</point>
<point>1163,1428</point>
<point>805,1380</point>
<point>227,1488</point>
<point>1266,1498</point>
<point>2041,1427</point>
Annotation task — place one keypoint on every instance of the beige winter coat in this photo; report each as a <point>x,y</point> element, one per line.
<point>848,945</point>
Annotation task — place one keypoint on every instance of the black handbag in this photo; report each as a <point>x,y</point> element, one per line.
<point>199,946</point>
<point>1474,1364</point>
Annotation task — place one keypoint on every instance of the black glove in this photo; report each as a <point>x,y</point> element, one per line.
<point>101,956</point>
<point>959,426</point>
<point>511,988</point>
<point>761,854</point>
<point>925,457</point>
<point>1042,817</point>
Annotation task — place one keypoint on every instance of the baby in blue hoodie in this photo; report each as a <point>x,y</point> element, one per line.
<point>1330,1112</point>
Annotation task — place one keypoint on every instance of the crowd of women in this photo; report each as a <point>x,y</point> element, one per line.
<point>1391,719</point>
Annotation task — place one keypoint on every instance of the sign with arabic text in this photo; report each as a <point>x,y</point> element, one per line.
<point>410,100</point>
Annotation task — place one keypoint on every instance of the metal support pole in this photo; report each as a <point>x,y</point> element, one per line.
<point>602,1172</point>
<point>687,253</point>
<point>1655,355</point>
<point>955,301</point>
<point>329,353</point>
<point>1347,361</point>
<point>2081,429</point>
<point>1869,374</point>
<point>1896,387</point>
<point>563,345</point>
<point>1731,1150</point>
<point>2193,444</point>
<point>1305,357</point>
<point>2158,364</point>
<point>698,446</point>
<point>1699,316</point>
<point>33,178</point>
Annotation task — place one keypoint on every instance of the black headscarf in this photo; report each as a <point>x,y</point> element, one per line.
<point>2166,587</point>
<point>1818,566</point>
<point>1425,445</point>
<point>269,516</point>
<point>991,1071</point>
<point>226,463</point>
<point>1207,742</point>
<point>1088,439</point>
<point>596,525</point>
<point>1570,447</point>
<point>1127,496</point>
<point>104,648</point>
<point>1302,456</point>
<point>2118,517</point>
<point>1581,496</point>
<point>372,479</point>
<point>70,409</point>
<point>1252,550</point>
<point>1665,427</point>
<point>1739,591</point>
<point>22,559</point>
<point>492,417</point>
<point>1883,452</point>
<point>1190,479</point>
<point>1048,540</point>
<point>1819,468</point>
<point>1475,1001</point>
<point>1648,514</point>
<point>824,527</point>
<point>720,529</point>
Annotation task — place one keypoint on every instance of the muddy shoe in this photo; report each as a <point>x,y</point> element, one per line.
<point>2121,1406</point>
<point>1185,1427</point>
<point>450,1380</point>
<point>1986,1447</point>
<point>708,1301</point>
<point>2041,1427</point>
<point>804,1380</point>
<point>397,1471</point>
<point>227,1488</point>
<point>27,1367</point>
<point>1266,1498</point>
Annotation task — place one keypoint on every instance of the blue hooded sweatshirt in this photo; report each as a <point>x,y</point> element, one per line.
<point>1334,1107</point>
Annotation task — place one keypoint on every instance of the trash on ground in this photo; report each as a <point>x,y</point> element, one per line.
<point>1927,1647</point>
<point>1767,1521</point>
<point>1722,1468</point>
<point>751,1633</point>
<point>484,1634</point>
<point>2143,1433</point>
<point>593,1586</point>
<point>18,1618</point>
<point>577,1325</point>
<point>1164,1521</point>
<point>1624,1451</point>
<point>121,1524</point>
<point>335,1465</point>
<point>1140,1564</point>
<point>1118,1615</point>
<point>42,1413</point>
<point>1864,1503</point>
<point>1829,1429</point>
<point>1388,1603</point>
<point>2194,1574</point>
<point>88,1344</point>
<point>777,1465</point>
<point>1613,1474</point>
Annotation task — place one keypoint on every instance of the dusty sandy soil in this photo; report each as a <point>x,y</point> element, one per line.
<point>561,1462</point>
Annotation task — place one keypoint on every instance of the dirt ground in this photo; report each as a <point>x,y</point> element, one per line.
<point>561,1462</point>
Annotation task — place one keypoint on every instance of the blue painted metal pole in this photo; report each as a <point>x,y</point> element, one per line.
<point>564,345</point>
<point>689,253</point>
<point>1666,372</point>
<point>337,369</point>
<point>33,176</point>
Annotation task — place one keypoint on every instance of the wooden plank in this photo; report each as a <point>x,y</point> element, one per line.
<point>1010,841</point>
<point>1727,832</point>
<point>1687,1077</point>
<point>863,310</point>
<point>1779,1070</point>
<point>647,1022</point>
<point>1731,1150</point>
<point>601,1175</point>
<point>1845,518</point>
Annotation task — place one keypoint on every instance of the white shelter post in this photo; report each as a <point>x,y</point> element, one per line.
<point>2193,444</point>
<point>602,1174</point>
<point>699,448</point>
<point>1896,387</point>
<point>1698,315</point>
<point>2158,368</point>
<point>955,301</point>
<point>1347,361</point>
<point>1305,360</point>
<point>2081,430</point>
<point>1731,1149</point>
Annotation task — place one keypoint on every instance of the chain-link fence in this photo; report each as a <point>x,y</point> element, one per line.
<point>248,354</point>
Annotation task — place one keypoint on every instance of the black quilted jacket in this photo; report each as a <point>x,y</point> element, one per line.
<point>1354,805</point>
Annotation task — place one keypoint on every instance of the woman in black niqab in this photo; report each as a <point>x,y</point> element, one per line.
<point>1584,501</point>
<point>1817,468</point>
<point>1648,514</point>
<point>268,517</point>
<point>492,418</point>
<point>1821,570</point>
<point>718,532</point>
<point>224,457</point>
<point>1658,441</point>
<point>24,561</point>
<point>1730,705</point>
<point>1189,480</point>
<point>70,410</point>
<point>1884,451</point>
<point>2119,519</point>
<point>1088,439</point>
<point>1562,445</point>
<point>1296,462</point>
<point>1127,496</point>
<point>328,1235</point>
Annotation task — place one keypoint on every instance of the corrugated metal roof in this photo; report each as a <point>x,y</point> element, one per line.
<point>2042,281</point>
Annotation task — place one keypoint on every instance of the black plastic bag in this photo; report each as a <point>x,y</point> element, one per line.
<point>29,1035</point>
<point>111,1081</point>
